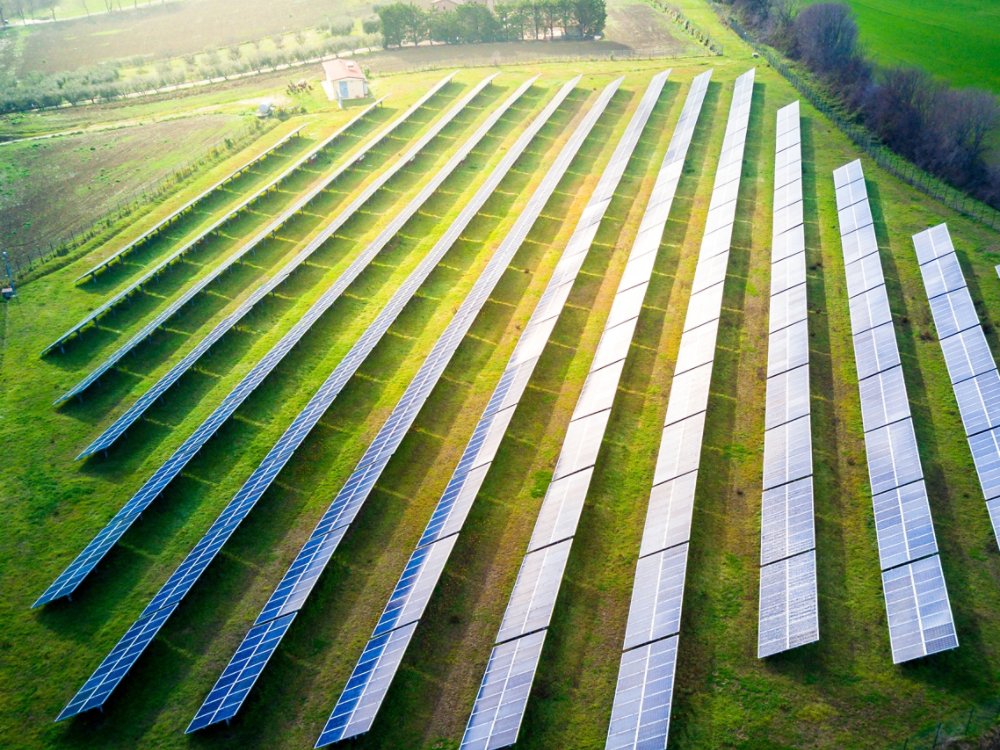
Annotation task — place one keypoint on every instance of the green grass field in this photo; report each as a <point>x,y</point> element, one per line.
<point>955,40</point>
<point>842,692</point>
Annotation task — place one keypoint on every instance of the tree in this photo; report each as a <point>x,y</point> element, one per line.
<point>826,37</point>
<point>371,25</point>
<point>591,16</point>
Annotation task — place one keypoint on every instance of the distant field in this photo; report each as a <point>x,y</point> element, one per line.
<point>956,40</point>
<point>92,173</point>
<point>168,30</point>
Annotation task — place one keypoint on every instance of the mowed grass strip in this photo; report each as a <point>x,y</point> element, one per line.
<point>843,692</point>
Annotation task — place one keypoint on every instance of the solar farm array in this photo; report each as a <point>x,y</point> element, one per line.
<point>389,180</point>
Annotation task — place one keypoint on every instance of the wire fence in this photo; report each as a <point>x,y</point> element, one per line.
<point>25,256</point>
<point>866,140</point>
<point>957,731</point>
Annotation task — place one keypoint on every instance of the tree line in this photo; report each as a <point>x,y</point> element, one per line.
<point>470,22</point>
<point>948,132</point>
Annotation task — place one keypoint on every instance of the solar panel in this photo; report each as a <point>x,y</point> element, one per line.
<point>655,611</point>
<point>883,398</point>
<point>641,713</point>
<point>932,243</point>
<point>986,455</point>
<point>875,350</point>
<point>668,520</point>
<point>788,348</point>
<point>785,196</point>
<point>680,448</point>
<point>916,601</point>
<point>704,306</point>
<point>710,271</point>
<point>943,274</point>
<point>979,402</point>
<point>789,272</point>
<point>269,230</point>
<point>787,453</point>
<point>789,216</point>
<point>864,274</point>
<point>503,694</point>
<point>689,393</point>
<point>560,513</point>
<point>298,582</point>
<point>853,192</point>
<point>903,525</point>
<point>787,397</point>
<point>893,459</point>
<point>85,562</point>
<point>855,217</point>
<point>967,354</point>
<point>789,613</point>
<point>534,596</point>
<point>953,312</point>
<point>614,344</point>
<point>640,716</point>
<point>581,444</point>
<point>859,244</point>
<point>788,307</point>
<point>599,390</point>
<point>788,243</point>
<point>869,309</point>
<point>627,305</point>
<point>697,347</point>
<point>786,527</point>
<point>847,174</point>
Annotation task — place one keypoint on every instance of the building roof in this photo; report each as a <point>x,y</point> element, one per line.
<point>337,70</point>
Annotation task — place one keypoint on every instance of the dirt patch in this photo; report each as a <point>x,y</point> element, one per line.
<point>172,30</point>
<point>636,24</point>
<point>50,189</point>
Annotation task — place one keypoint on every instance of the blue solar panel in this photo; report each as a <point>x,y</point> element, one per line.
<point>298,580</point>
<point>296,586</point>
<point>106,538</point>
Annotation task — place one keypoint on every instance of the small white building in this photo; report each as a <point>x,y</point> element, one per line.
<point>344,80</point>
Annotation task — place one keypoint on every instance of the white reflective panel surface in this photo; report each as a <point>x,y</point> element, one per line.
<point>668,518</point>
<point>903,524</point>
<point>789,611</point>
<point>916,602</point>
<point>680,448</point>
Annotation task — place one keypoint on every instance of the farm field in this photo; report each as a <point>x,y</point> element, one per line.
<point>163,30</point>
<point>954,40</point>
<point>841,692</point>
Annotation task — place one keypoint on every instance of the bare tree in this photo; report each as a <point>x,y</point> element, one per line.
<point>826,37</point>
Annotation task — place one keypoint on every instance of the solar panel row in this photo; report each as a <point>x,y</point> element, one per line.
<point>496,715</point>
<point>70,578</point>
<point>788,614</point>
<point>916,598</point>
<point>289,597</point>
<point>120,425</point>
<point>971,367</point>
<point>279,221</point>
<point>210,230</point>
<point>160,226</point>
<point>640,716</point>
<point>318,549</point>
